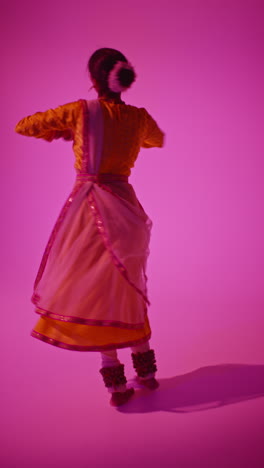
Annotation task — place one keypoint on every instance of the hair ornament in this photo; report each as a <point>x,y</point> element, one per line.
<point>113,77</point>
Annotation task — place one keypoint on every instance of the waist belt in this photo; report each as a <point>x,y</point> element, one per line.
<point>101,178</point>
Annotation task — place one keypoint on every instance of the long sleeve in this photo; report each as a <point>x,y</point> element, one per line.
<point>153,136</point>
<point>51,124</point>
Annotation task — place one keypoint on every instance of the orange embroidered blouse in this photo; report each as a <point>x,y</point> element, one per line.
<point>126,129</point>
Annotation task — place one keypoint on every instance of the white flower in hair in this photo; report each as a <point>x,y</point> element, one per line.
<point>113,77</point>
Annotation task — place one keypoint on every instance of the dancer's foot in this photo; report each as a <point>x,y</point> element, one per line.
<point>120,398</point>
<point>151,383</point>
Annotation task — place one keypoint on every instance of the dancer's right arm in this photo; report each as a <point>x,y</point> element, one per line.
<point>152,136</point>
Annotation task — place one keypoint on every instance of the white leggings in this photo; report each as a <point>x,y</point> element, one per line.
<point>110,358</point>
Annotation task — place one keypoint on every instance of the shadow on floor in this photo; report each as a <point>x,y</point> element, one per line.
<point>203,389</point>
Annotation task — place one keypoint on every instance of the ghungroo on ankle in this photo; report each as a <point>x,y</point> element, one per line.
<point>114,375</point>
<point>144,363</point>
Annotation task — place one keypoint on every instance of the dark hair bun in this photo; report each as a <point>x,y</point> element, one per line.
<point>121,77</point>
<point>126,77</point>
<point>111,70</point>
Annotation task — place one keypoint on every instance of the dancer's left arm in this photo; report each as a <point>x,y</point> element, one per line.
<point>51,124</point>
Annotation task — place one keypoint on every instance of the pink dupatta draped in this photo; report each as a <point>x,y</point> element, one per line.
<point>93,268</point>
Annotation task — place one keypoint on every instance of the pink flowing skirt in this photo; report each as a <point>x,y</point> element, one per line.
<point>93,271</point>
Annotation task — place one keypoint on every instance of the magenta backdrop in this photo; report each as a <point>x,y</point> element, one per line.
<point>200,74</point>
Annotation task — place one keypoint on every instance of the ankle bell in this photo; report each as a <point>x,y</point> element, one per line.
<point>113,376</point>
<point>144,363</point>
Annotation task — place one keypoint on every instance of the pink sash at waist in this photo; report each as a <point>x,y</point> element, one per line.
<point>101,178</point>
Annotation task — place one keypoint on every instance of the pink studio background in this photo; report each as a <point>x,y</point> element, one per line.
<point>200,74</point>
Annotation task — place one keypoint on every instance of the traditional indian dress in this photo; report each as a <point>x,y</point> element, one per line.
<point>91,287</point>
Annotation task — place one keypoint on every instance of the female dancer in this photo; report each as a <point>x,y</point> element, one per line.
<point>90,290</point>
